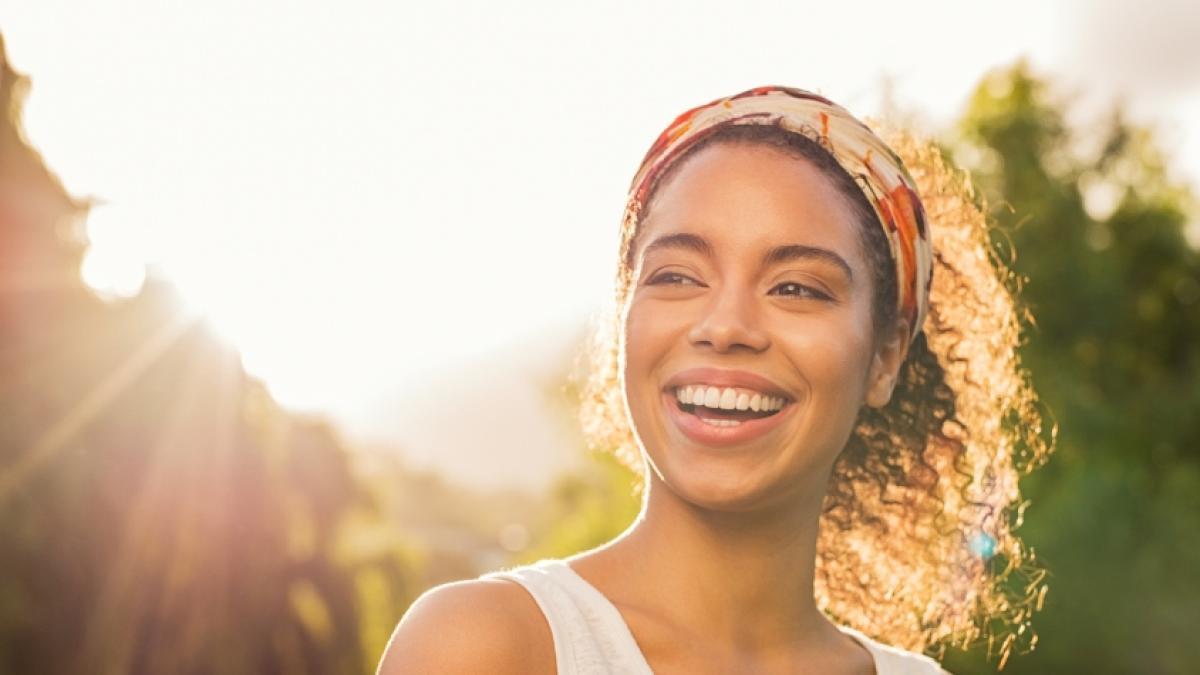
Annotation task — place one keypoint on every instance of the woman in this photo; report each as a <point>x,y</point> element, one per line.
<point>820,461</point>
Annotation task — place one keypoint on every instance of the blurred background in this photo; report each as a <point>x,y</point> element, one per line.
<point>290,295</point>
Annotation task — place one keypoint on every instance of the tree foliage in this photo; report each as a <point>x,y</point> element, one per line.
<point>1091,219</point>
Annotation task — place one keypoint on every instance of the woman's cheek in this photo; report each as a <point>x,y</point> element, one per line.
<point>635,362</point>
<point>650,332</point>
<point>829,355</point>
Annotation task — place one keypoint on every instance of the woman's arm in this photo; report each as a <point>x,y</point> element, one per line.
<point>477,626</point>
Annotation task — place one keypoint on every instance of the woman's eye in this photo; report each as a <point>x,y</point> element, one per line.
<point>671,279</point>
<point>800,290</point>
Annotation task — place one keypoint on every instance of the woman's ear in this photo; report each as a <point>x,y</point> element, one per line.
<point>885,365</point>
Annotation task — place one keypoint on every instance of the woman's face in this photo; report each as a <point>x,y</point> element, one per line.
<point>752,301</point>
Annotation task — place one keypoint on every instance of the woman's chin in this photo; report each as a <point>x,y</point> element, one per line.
<point>736,485</point>
<point>716,490</point>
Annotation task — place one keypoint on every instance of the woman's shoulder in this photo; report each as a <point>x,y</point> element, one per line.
<point>891,660</point>
<point>468,626</point>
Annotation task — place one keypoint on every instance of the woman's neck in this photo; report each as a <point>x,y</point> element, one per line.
<point>743,578</point>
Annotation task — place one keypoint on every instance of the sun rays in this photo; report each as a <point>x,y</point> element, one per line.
<point>56,437</point>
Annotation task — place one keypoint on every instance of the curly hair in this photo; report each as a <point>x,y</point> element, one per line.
<point>916,544</point>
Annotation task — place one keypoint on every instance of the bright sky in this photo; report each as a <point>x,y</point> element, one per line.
<point>363,193</point>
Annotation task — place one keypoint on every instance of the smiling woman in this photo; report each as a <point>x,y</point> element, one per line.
<point>829,478</point>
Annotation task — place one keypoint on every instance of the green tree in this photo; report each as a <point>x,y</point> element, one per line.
<point>1091,220</point>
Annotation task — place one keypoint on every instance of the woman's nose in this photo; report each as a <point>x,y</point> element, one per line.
<point>729,322</point>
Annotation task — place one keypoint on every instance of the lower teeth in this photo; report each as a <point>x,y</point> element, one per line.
<point>720,423</point>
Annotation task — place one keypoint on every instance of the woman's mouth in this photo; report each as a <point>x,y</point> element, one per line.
<point>724,415</point>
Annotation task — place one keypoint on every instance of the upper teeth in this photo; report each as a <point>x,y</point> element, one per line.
<point>728,398</point>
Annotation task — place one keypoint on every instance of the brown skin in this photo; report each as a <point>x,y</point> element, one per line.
<point>716,574</point>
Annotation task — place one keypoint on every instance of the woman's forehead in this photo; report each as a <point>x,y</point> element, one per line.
<point>749,197</point>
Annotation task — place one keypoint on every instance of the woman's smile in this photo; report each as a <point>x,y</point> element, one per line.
<point>718,427</point>
<point>718,407</point>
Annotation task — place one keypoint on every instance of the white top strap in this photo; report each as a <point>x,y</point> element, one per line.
<point>592,638</point>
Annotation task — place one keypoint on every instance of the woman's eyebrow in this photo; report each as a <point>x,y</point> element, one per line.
<point>777,255</point>
<point>681,240</point>
<point>789,252</point>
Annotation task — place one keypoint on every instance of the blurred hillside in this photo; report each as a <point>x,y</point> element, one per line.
<point>162,513</point>
<point>500,412</point>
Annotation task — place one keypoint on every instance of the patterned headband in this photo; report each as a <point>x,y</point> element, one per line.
<point>877,170</point>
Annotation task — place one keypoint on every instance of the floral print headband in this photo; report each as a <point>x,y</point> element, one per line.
<point>877,170</point>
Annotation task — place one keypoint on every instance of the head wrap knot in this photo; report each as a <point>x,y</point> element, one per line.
<point>877,170</point>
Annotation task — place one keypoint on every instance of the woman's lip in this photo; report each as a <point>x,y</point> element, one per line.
<point>720,377</point>
<point>706,434</point>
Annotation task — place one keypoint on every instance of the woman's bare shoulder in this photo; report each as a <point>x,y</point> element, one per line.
<point>480,625</point>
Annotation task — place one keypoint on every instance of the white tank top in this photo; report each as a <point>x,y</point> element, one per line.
<point>591,637</point>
